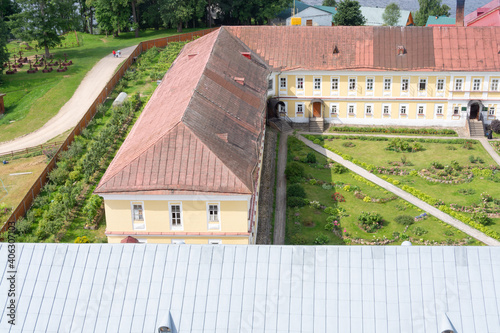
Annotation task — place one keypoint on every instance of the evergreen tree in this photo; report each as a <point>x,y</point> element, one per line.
<point>391,14</point>
<point>349,13</point>
<point>430,8</point>
<point>329,3</point>
<point>42,21</point>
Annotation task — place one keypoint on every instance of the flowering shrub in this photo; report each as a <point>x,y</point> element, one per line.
<point>331,226</point>
<point>337,197</point>
<point>370,221</point>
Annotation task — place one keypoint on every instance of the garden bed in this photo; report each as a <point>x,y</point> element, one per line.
<point>443,173</point>
<point>392,130</point>
<point>327,184</point>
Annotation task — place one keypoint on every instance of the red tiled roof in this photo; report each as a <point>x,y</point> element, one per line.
<point>374,48</point>
<point>200,130</point>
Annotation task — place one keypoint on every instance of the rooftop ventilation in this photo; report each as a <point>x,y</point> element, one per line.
<point>222,136</point>
<point>246,55</point>
<point>401,50</point>
<point>240,80</point>
<point>335,50</point>
<point>192,55</point>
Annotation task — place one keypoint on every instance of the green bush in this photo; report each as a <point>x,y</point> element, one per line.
<point>482,218</point>
<point>58,176</point>
<point>370,221</point>
<point>495,126</point>
<point>331,211</point>
<point>311,158</point>
<point>298,240</point>
<point>82,239</point>
<point>295,190</point>
<point>294,172</point>
<point>419,231</point>
<point>404,219</point>
<point>339,168</point>
<point>321,239</point>
<point>296,202</point>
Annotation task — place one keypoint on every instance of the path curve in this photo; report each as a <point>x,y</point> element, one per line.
<point>403,194</point>
<point>72,112</point>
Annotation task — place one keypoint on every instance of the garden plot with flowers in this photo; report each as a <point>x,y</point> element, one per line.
<point>328,204</point>
<point>457,176</point>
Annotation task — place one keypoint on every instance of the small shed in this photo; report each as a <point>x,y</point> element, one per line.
<point>2,107</point>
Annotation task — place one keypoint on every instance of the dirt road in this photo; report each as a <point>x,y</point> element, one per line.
<point>71,112</point>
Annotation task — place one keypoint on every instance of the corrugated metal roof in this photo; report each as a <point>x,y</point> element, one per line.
<point>199,132</point>
<point>440,21</point>
<point>428,49</point>
<point>136,287</point>
<point>328,9</point>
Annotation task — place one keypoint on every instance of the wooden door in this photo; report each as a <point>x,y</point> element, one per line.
<point>309,23</point>
<point>317,110</point>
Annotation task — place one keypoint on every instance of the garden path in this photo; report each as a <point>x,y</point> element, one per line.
<point>490,150</point>
<point>403,194</point>
<point>280,212</point>
<point>71,112</point>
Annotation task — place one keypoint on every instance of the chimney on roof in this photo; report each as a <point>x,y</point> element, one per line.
<point>459,18</point>
<point>335,50</point>
<point>246,55</point>
<point>192,55</point>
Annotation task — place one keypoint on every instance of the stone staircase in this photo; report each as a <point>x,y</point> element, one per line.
<point>281,125</point>
<point>316,125</point>
<point>476,129</point>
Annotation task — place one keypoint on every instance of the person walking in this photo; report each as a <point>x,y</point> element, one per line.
<point>114,53</point>
<point>119,55</point>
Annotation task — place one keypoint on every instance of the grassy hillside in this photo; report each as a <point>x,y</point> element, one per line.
<point>32,99</point>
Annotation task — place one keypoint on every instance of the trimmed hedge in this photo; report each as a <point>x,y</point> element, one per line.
<point>392,130</point>
<point>467,220</point>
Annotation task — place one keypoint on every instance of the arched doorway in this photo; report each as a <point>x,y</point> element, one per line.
<point>474,111</point>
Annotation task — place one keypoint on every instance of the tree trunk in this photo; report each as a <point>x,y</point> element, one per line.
<point>91,23</point>
<point>134,15</point>
<point>179,27</point>
<point>210,13</point>
<point>47,53</point>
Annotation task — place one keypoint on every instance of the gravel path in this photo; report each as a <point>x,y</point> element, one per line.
<point>403,194</point>
<point>71,112</point>
<point>266,195</point>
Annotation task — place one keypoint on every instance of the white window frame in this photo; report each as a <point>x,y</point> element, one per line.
<point>422,92</point>
<point>495,84</point>
<point>352,91</point>
<point>404,92</point>
<point>336,106</point>
<point>213,225</point>
<point>440,92</point>
<point>370,107</point>
<point>283,79</point>
<point>404,107</point>
<point>297,109</point>
<point>300,90</point>
<point>138,225</point>
<point>456,110</point>
<point>215,241</point>
<point>387,90</point>
<point>317,91</point>
<point>334,80</point>
<point>491,111</point>
<point>349,108</point>
<point>421,107</point>
<point>177,241</point>
<point>176,227</point>
<point>270,84</point>
<point>369,86</point>
<point>285,106</point>
<point>438,107</point>
<point>459,84</point>
<point>384,107</point>
<point>476,84</point>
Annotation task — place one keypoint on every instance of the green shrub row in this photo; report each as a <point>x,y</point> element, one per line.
<point>322,138</point>
<point>393,130</point>
<point>467,220</point>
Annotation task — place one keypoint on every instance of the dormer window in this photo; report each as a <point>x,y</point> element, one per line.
<point>401,50</point>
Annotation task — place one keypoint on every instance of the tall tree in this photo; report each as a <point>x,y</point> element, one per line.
<point>4,54</point>
<point>150,17</point>
<point>113,16</point>
<point>176,12</point>
<point>430,8</point>
<point>391,14</point>
<point>329,3</point>
<point>349,13</point>
<point>42,21</point>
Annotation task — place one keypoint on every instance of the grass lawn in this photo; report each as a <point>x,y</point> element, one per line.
<point>306,224</point>
<point>32,99</point>
<point>464,194</point>
<point>13,188</point>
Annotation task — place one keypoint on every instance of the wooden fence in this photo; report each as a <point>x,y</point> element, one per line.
<point>28,199</point>
<point>33,149</point>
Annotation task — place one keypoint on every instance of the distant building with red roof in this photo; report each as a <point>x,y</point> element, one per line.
<point>486,16</point>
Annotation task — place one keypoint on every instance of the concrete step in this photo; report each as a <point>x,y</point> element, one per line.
<point>316,125</point>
